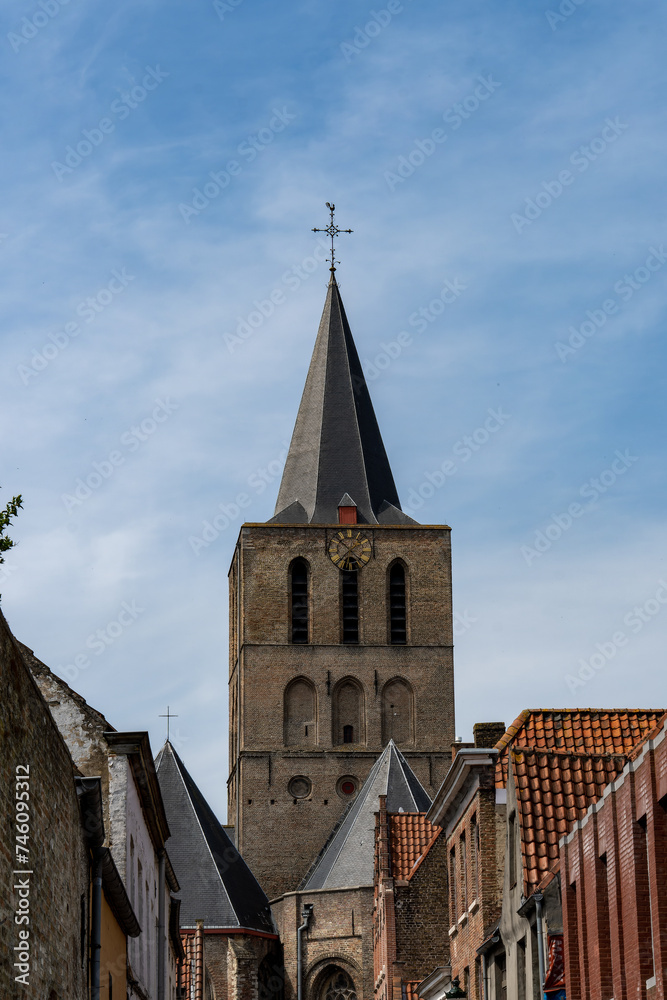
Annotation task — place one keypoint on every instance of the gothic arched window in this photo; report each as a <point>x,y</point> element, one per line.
<point>348,713</point>
<point>338,986</point>
<point>300,727</point>
<point>398,619</point>
<point>299,600</point>
<point>397,712</point>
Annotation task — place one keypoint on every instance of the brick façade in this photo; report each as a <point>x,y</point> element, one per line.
<point>278,836</point>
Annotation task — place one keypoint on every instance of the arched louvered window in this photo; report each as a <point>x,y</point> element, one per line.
<point>299,600</point>
<point>350,606</point>
<point>397,606</point>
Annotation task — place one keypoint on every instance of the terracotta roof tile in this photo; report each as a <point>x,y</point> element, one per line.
<point>577,730</point>
<point>568,784</point>
<point>410,838</point>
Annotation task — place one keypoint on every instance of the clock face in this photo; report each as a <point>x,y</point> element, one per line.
<point>350,549</point>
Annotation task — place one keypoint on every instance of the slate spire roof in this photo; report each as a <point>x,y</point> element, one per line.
<point>348,857</point>
<point>216,883</point>
<point>336,446</point>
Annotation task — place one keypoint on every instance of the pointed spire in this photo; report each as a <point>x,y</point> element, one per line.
<point>216,883</point>
<point>348,857</point>
<point>336,446</point>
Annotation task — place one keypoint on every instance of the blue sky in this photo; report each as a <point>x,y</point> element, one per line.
<point>502,167</point>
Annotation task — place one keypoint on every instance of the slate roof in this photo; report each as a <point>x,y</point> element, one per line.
<point>577,730</point>
<point>216,883</point>
<point>410,839</point>
<point>336,446</point>
<point>553,791</point>
<point>348,856</point>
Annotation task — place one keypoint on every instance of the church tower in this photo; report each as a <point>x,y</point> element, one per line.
<point>340,628</point>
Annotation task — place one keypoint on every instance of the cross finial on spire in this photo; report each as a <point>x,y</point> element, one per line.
<point>168,716</point>
<point>333,230</point>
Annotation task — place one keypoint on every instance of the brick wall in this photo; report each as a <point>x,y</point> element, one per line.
<point>340,934</point>
<point>484,833</point>
<point>614,882</point>
<point>278,837</point>
<point>421,916</point>
<point>57,857</point>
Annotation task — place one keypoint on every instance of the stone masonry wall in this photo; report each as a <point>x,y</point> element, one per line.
<point>278,837</point>
<point>56,853</point>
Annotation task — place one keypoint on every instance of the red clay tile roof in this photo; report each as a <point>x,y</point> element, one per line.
<point>657,729</point>
<point>554,790</point>
<point>576,730</point>
<point>410,838</point>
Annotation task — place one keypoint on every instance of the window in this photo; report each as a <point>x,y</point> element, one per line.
<point>140,895</point>
<point>299,713</point>
<point>299,600</point>
<point>338,986</point>
<point>397,606</point>
<point>397,712</point>
<point>453,894</point>
<point>463,873</point>
<point>350,598</point>
<point>511,848</point>
<point>348,712</point>
<point>474,852</point>
<point>644,879</point>
<point>521,969</point>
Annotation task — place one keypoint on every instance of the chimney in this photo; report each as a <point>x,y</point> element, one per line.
<point>487,734</point>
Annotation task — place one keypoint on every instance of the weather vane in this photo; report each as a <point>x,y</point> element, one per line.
<point>333,231</point>
<point>168,716</point>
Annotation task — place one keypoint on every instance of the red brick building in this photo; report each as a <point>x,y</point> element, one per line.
<point>410,902</point>
<point>614,876</point>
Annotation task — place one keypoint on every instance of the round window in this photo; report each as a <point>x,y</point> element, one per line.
<point>347,786</point>
<point>299,787</point>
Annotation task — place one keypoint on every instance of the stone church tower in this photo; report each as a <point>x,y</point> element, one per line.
<point>340,628</point>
